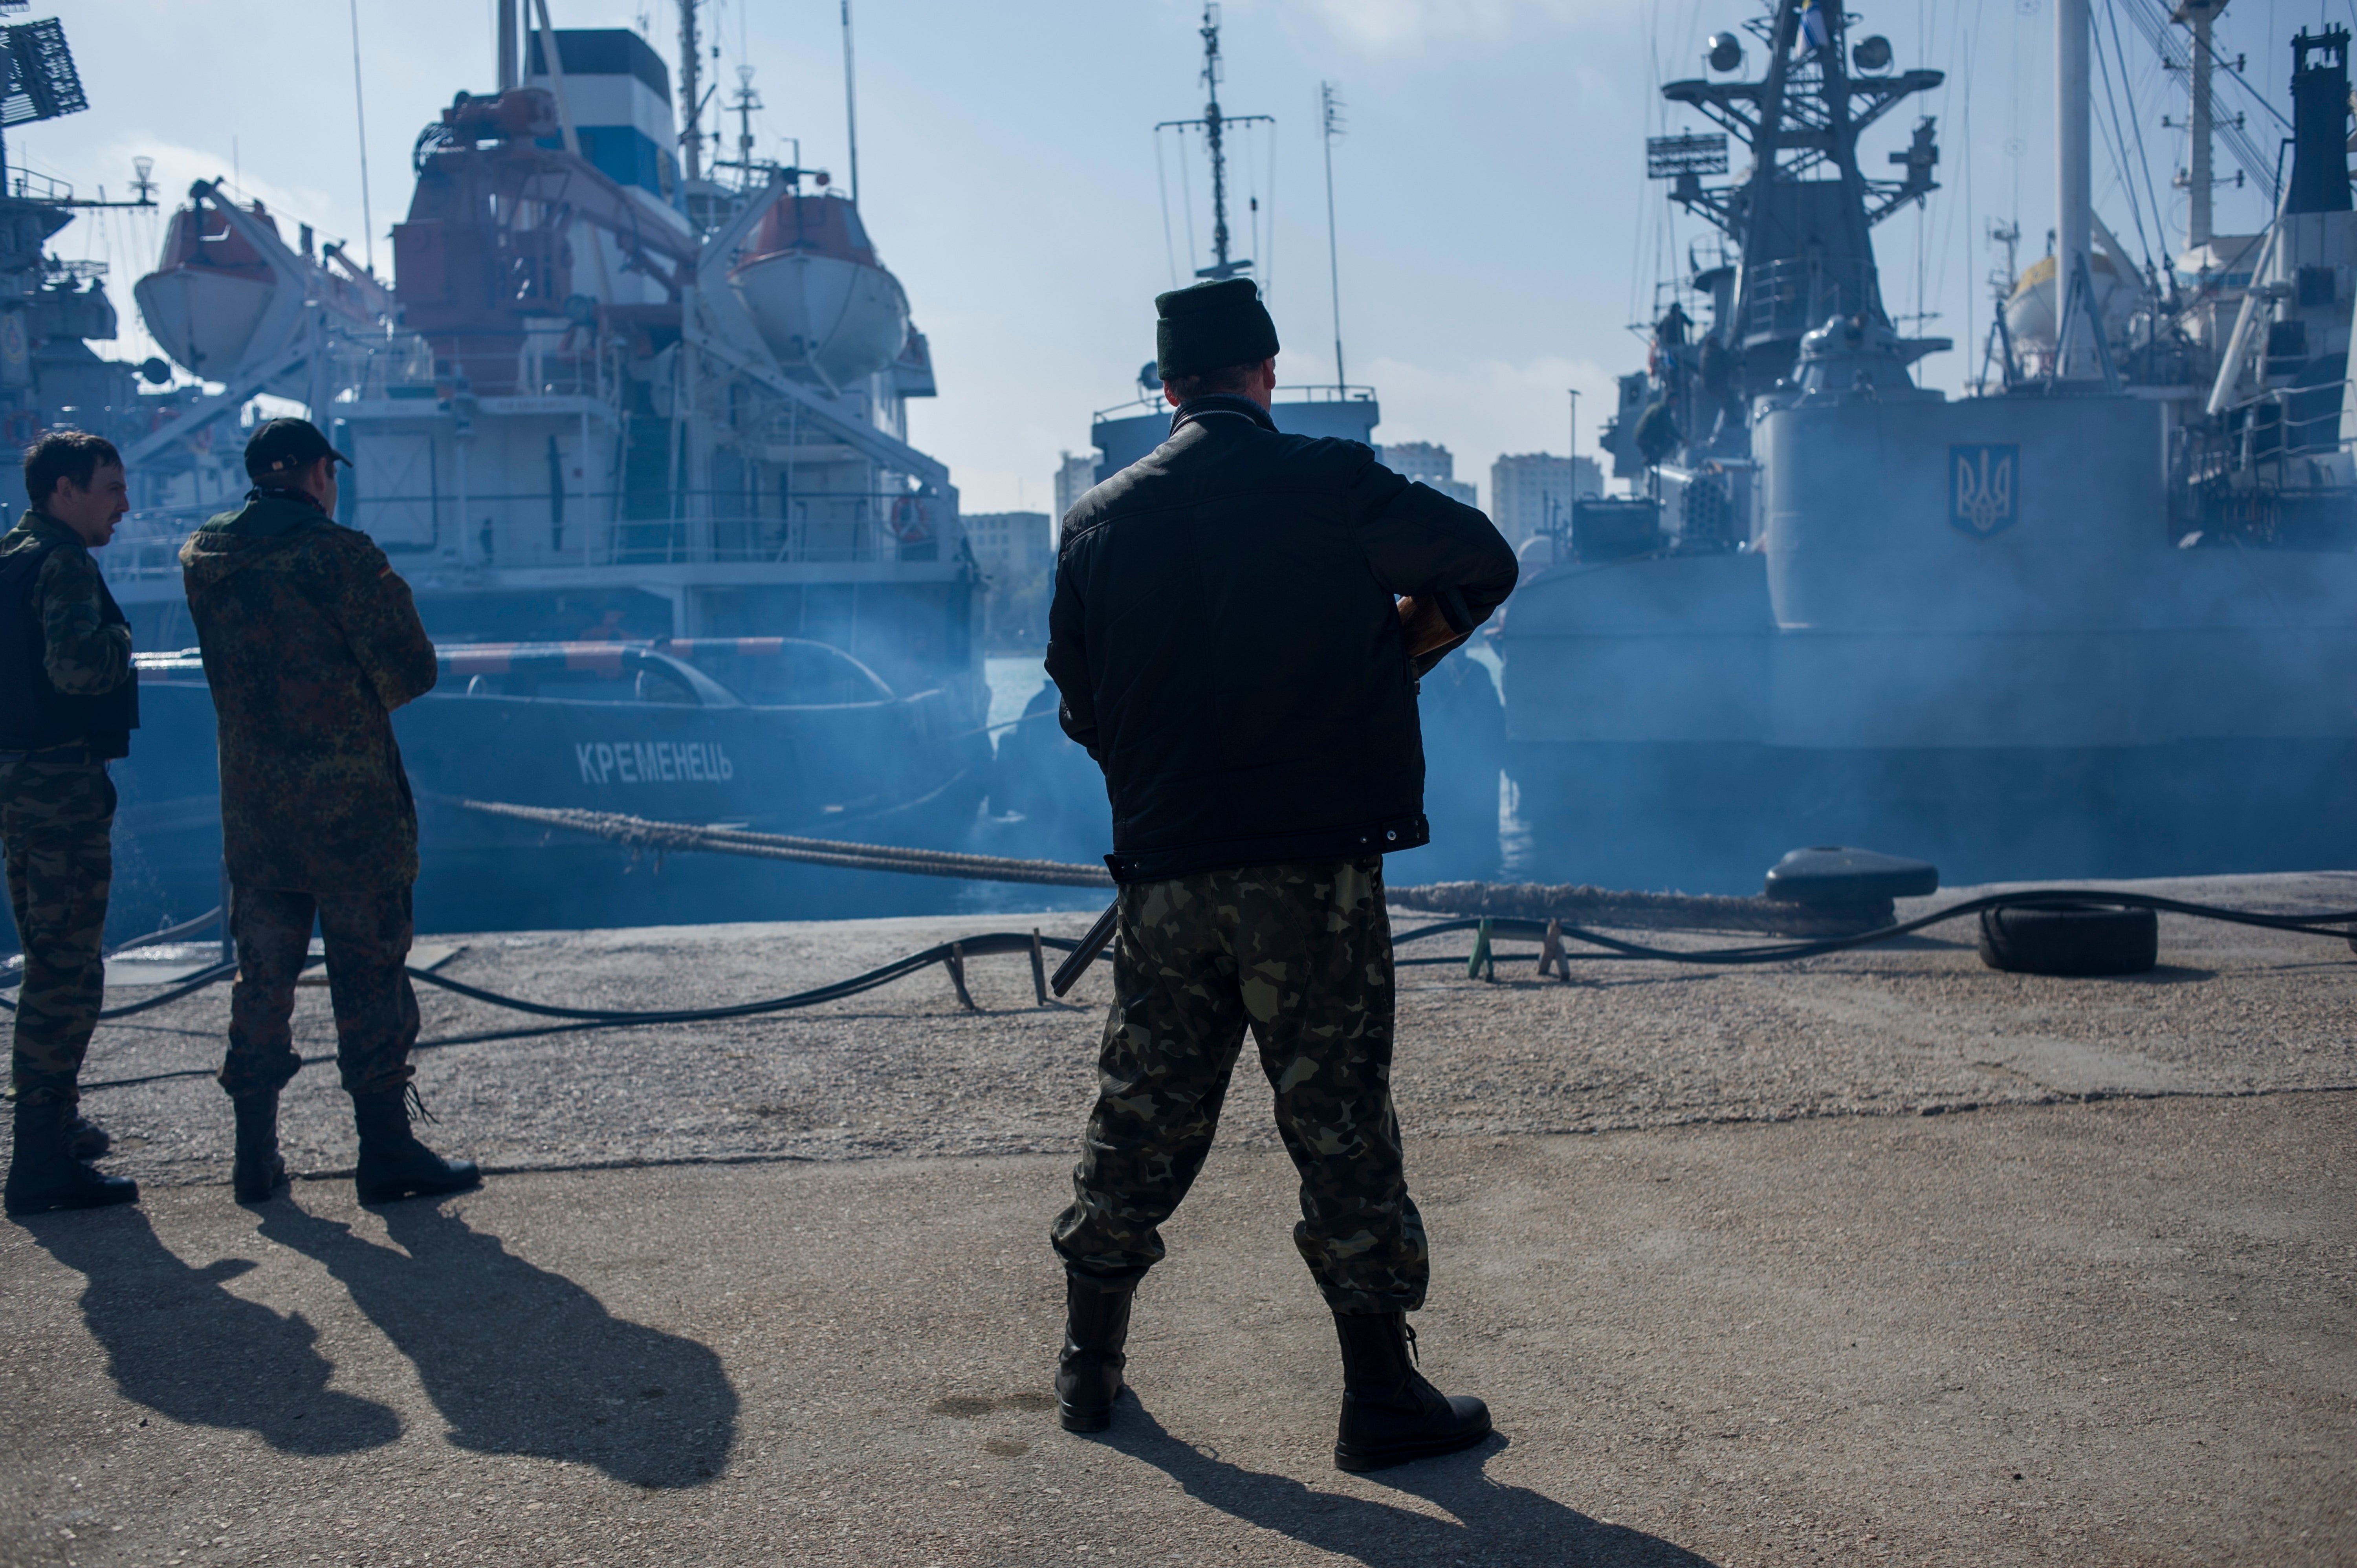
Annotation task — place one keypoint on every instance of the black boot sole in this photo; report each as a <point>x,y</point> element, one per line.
<point>17,1206</point>
<point>395,1192</point>
<point>1358,1461</point>
<point>1073,1419</point>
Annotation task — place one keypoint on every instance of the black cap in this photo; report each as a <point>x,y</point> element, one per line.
<point>283,447</point>
<point>1210,326</point>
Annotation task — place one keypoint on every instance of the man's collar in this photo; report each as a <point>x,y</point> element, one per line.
<point>281,493</point>
<point>1195,408</point>
<point>37,521</point>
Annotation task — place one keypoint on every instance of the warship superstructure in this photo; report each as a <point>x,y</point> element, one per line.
<point>2095,618</point>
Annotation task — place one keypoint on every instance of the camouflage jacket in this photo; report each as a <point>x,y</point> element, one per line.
<point>68,664</point>
<point>311,642</point>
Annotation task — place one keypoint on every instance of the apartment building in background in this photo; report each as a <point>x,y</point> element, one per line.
<point>1016,552</point>
<point>1531,493</point>
<point>1429,463</point>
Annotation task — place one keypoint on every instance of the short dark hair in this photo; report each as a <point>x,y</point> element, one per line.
<point>1231,379</point>
<point>75,455</point>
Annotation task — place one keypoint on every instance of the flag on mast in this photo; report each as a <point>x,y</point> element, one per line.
<point>1817,27</point>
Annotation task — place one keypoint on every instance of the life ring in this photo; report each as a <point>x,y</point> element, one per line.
<point>908,522</point>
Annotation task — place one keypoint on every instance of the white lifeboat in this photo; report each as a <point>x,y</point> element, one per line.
<point>226,296</point>
<point>2029,311</point>
<point>815,290</point>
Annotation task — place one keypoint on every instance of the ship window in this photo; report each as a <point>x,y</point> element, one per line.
<point>797,675</point>
<point>656,684</point>
<point>2316,286</point>
<point>2288,340</point>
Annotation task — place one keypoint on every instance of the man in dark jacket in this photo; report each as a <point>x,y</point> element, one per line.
<point>311,642</point>
<point>69,702</point>
<point>1238,625</point>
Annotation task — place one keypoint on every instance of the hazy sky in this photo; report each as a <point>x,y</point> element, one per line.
<point>1498,234</point>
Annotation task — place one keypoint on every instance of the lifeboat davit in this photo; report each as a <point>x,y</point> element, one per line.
<point>226,296</point>
<point>817,293</point>
<point>2029,311</point>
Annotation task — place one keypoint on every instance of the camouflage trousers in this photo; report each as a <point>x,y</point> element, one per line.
<point>56,819</point>
<point>1301,954</point>
<point>367,937</point>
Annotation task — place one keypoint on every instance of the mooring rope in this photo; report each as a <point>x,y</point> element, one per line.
<point>669,838</point>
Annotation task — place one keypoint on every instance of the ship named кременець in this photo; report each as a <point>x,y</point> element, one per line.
<point>636,433</point>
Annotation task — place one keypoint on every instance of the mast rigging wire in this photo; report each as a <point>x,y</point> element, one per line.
<point>1162,189</point>
<point>2116,139</point>
<point>360,109</point>
<point>2144,158</point>
<point>1187,198</point>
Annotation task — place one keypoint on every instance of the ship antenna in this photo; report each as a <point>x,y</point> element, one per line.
<point>745,103</point>
<point>1221,266</point>
<point>691,100</point>
<point>1213,125</point>
<point>850,104</point>
<point>1330,108</point>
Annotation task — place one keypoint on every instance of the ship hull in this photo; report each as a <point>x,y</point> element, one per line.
<point>900,771</point>
<point>1711,818</point>
<point>2051,687</point>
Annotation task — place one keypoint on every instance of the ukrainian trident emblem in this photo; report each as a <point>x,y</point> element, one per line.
<point>1983,495</point>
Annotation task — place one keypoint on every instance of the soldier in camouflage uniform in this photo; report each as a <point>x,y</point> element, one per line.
<point>311,642</point>
<point>1239,622</point>
<point>69,702</point>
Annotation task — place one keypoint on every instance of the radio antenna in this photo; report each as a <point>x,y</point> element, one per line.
<point>1331,117</point>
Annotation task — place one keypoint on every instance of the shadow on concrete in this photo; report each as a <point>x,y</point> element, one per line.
<point>1491,1523</point>
<point>187,1348</point>
<point>520,1360</point>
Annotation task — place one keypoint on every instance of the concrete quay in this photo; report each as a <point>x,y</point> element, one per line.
<point>1877,1258</point>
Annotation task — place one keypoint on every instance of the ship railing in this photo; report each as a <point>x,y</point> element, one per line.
<point>31,184</point>
<point>146,544</point>
<point>404,364</point>
<point>2283,429</point>
<point>1155,403</point>
<point>594,530</point>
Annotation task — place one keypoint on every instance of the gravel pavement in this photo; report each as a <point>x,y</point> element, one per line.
<point>1737,1294</point>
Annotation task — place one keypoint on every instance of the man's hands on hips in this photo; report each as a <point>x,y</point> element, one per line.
<point>1429,636</point>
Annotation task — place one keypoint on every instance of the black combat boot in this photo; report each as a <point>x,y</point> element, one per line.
<point>1088,1373</point>
<point>43,1173</point>
<point>1390,1414</point>
<point>259,1170</point>
<point>393,1164</point>
<point>85,1139</point>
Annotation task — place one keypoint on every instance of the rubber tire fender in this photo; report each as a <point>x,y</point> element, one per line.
<point>2072,939</point>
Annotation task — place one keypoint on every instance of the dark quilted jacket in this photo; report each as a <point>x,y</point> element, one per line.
<point>1225,640</point>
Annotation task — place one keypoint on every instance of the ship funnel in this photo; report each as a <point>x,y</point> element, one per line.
<point>2319,98</point>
